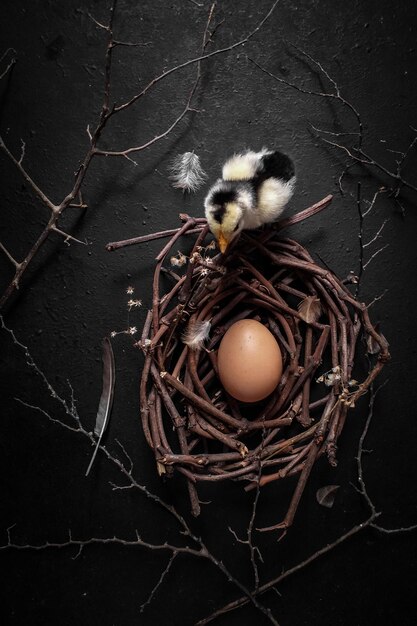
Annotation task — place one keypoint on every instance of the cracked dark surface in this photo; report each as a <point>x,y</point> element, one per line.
<point>74,295</point>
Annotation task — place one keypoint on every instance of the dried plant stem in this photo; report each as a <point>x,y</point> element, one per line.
<point>369,522</point>
<point>107,111</point>
<point>73,422</point>
<point>236,604</point>
<point>356,153</point>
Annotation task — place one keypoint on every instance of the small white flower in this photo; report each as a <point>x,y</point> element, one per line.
<point>134,303</point>
<point>132,330</point>
<point>130,290</point>
<point>113,333</point>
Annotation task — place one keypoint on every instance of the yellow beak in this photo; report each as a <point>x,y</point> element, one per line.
<point>223,242</point>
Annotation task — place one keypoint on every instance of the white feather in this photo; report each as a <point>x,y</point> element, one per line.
<point>196,334</point>
<point>186,172</point>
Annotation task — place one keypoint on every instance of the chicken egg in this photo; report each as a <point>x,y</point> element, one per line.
<point>249,361</point>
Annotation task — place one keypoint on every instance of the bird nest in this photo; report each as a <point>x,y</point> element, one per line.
<point>190,422</point>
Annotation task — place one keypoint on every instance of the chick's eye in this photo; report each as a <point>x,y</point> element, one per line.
<point>235,228</point>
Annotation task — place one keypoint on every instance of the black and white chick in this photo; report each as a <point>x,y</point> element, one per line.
<point>253,190</point>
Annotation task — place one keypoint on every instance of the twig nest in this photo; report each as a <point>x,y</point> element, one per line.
<point>190,416</point>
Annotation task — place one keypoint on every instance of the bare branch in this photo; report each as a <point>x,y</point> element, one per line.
<point>128,151</point>
<point>80,204</point>
<point>159,583</point>
<point>394,531</point>
<point>362,214</point>
<point>11,62</point>
<point>372,202</point>
<point>377,298</point>
<point>337,93</point>
<point>97,23</point>
<point>137,541</point>
<point>9,256</point>
<point>48,415</point>
<point>368,523</point>
<point>374,255</point>
<point>375,237</point>
<point>360,236</point>
<point>70,410</point>
<point>362,486</point>
<point>203,57</point>
<point>128,457</point>
<point>357,153</point>
<point>67,236</point>
<point>129,44</point>
<point>200,551</point>
<point>290,571</point>
<point>22,154</point>
<point>41,195</point>
<point>106,113</point>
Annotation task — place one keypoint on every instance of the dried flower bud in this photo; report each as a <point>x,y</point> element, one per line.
<point>195,257</point>
<point>179,260</point>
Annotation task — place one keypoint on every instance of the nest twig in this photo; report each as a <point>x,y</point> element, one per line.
<point>190,422</point>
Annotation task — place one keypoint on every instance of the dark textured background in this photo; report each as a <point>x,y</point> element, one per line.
<point>74,295</point>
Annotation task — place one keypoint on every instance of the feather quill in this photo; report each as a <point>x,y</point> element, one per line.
<point>186,172</point>
<point>196,334</point>
<point>106,398</point>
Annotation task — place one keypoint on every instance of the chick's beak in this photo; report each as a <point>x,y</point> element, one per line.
<point>223,242</point>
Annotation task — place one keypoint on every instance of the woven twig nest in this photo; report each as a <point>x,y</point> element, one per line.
<point>190,422</point>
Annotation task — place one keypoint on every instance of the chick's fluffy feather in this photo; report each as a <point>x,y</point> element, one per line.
<point>253,190</point>
<point>242,166</point>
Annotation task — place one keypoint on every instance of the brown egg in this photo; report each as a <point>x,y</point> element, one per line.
<point>249,361</point>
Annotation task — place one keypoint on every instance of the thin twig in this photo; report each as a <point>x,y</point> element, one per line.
<point>107,111</point>
<point>200,551</point>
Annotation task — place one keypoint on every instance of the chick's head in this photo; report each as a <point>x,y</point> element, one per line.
<point>225,207</point>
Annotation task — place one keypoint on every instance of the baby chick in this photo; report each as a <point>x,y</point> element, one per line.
<point>253,190</point>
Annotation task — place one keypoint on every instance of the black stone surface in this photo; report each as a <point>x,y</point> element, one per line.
<point>73,295</point>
